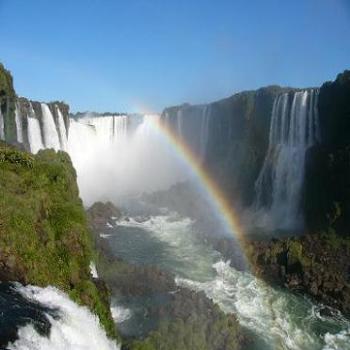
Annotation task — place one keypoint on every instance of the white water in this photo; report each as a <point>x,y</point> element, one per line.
<point>34,135</point>
<point>19,127</point>
<point>75,329</point>
<point>93,270</point>
<point>107,155</point>
<point>62,130</point>
<point>51,138</point>
<point>282,320</point>
<point>294,128</point>
<point>120,314</point>
<point>192,129</point>
<point>204,132</point>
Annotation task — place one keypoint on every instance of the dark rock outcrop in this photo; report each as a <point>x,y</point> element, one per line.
<point>100,214</point>
<point>318,265</point>
<point>327,172</point>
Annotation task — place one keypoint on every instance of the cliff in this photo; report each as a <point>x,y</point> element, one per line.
<point>15,111</point>
<point>317,265</point>
<point>327,171</point>
<point>7,106</point>
<point>234,142</point>
<point>44,233</point>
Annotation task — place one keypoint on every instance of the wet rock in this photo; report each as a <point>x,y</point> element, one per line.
<point>317,265</point>
<point>101,214</point>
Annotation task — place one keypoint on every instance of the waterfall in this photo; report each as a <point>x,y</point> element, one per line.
<point>51,138</point>
<point>120,125</point>
<point>204,132</point>
<point>107,154</point>
<point>71,326</point>
<point>62,129</point>
<point>294,128</point>
<point>34,132</point>
<point>179,119</point>
<point>19,127</point>
<point>2,131</point>
<point>191,125</point>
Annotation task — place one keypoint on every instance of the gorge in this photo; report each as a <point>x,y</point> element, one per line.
<point>279,156</point>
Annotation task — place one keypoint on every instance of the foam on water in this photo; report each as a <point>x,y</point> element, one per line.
<point>282,319</point>
<point>178,234</point>
<point>120,313</point>
<point>279,318</point>
<point>75,329</point>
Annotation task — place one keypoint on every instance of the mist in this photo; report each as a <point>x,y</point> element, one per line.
<point>120,156</point>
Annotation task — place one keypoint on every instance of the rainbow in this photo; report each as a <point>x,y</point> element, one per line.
<point>217,198</point>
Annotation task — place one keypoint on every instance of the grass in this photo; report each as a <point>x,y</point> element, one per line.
<point>45,239</point>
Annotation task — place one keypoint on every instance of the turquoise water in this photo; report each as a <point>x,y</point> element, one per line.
<point>276,318</point>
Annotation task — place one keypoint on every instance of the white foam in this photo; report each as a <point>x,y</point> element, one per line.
<point>51,138</point>
<point>93,270</point>
<point>194,259</point>
<point>339,341</point>
<point>282,319</point>
<point>120,313</point>
<point>76,329</point>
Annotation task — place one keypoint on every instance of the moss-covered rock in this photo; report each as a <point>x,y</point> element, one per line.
<point>7,104</point>
<point>100,214</point>
<point>317,265</point>
<point>190,321</point>
<point>45,238</point>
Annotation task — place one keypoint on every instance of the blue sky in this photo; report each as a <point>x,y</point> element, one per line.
<point>144,55</point>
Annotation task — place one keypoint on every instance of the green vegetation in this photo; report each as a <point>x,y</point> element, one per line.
<point>197,332</point>
<point>45,239</point>
<point>7,103</point>
<point>184,320</point>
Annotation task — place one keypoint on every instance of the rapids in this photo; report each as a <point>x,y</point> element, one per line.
<point>47,319</point>
<point>276,318</point>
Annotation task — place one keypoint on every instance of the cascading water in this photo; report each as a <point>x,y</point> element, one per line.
<point>106,153</point>
<point>294,128</point>
<point>204,132</point>
<point>62,130</point>
<point>19,127</point>
<point>110,160</point>
<point>47,319</point>
<point>51,137</point>
<point>191,124</point>
<point>34,132</point>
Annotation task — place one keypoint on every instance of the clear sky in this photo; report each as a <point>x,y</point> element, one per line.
<point>144,55</point>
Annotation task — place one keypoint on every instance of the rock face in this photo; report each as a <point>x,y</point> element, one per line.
<point>318,265</point>
<point>16,111</point>
<point>100,214</point>
<point>7,106</point>
<point>231,136</point>
<point>327,172</point>
<point>45,239</point>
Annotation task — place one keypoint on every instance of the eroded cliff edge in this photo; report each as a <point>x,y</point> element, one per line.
<point>45,239</point>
